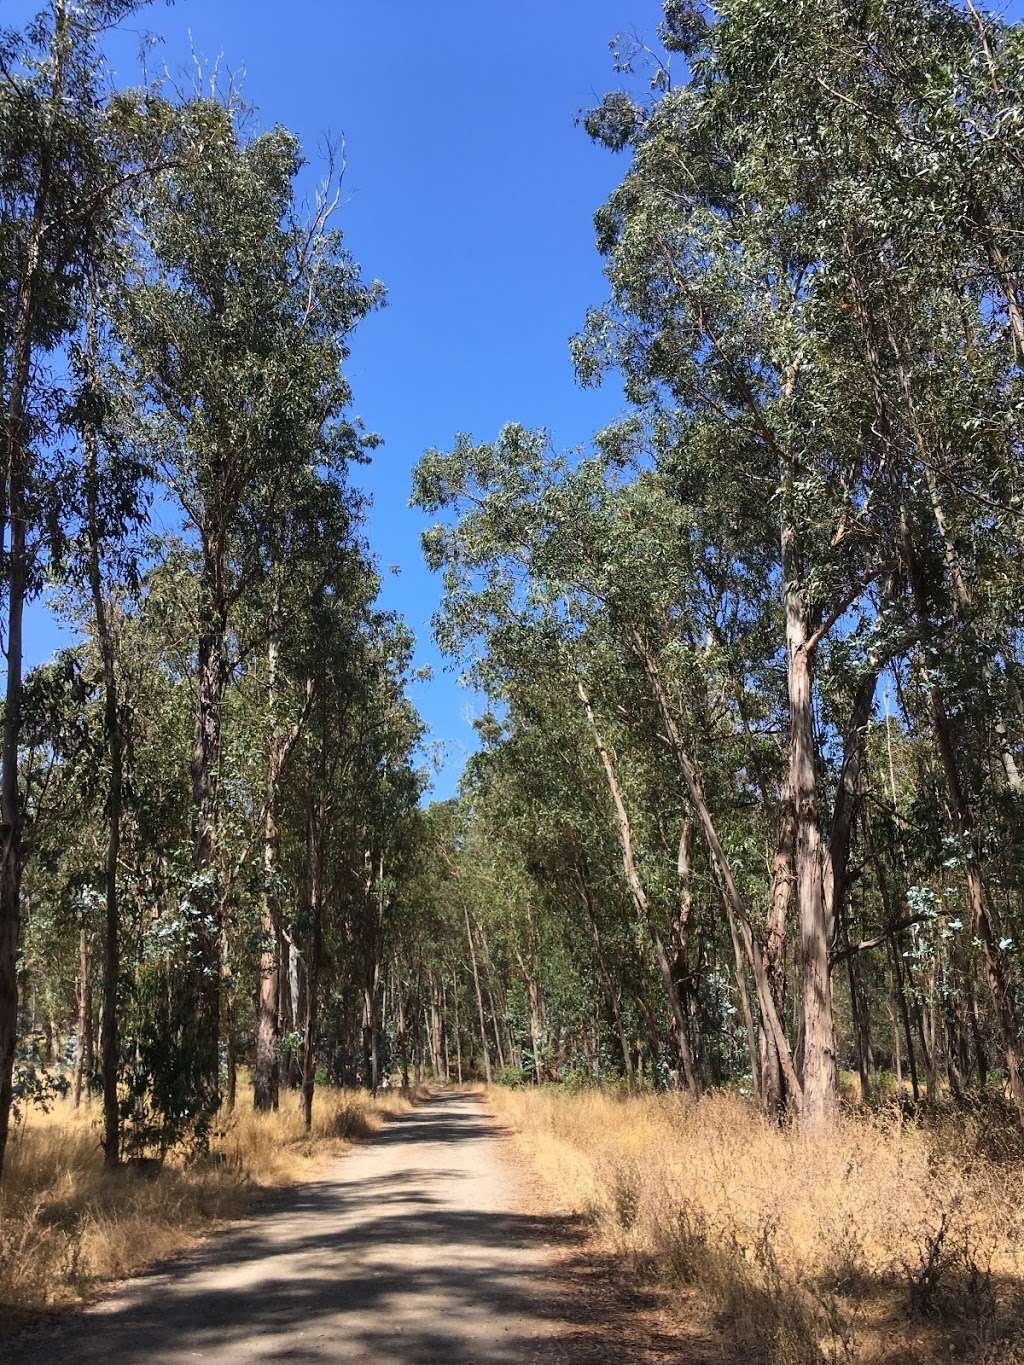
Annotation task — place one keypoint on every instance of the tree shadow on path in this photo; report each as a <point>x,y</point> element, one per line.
<point>388,1261</point>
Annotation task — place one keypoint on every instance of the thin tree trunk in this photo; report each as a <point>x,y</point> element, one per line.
<point>901,999</point>
<point>897,1055</point>
<point>745,1010</point>
<point>402,1039</point>
<point>720,864</point>
<point>458,1026</point>
<point>231,1054</point>
<point>444,1035</point>
<point>981,1060</point>
<point>996,968</point>
<point>295,1008</point>
<point>110,1058</point>
<point>536,1028</point>
<point>206,982</point>
<point>314,844</point>
<point>266,1071</point>
<point>83,1052</point>
<point>611,989</point>
<point>680,958</point>
<point>861,1023</point>
<point>633,881</point>
<point>479,998</point>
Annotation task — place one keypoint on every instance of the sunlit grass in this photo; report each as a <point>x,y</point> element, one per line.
<point>887,1241</point>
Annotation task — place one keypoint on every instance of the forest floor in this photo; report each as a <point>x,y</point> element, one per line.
<point>430,1243</point>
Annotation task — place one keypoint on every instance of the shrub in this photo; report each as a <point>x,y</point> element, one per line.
<point>514,1077</point>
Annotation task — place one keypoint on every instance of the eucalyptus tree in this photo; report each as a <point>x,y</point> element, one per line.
<point>102,557</point>
<point>807,252</point>
<point>235,325</point>
<point>389,733</point>
<point>547,881</point>
<point>434,937</point>
<point>713,318</point>
<point>314,605</point>
<point>357,768</point>
<point>62,173</point>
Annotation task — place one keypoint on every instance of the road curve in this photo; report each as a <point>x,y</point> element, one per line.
<point>409,1249</point>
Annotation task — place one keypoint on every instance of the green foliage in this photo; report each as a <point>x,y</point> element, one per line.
<point>512,1076</point>
<point>815,308</point>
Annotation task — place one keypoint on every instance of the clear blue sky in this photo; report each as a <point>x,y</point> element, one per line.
<point>469,193</point>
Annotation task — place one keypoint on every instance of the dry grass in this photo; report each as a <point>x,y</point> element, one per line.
<point>887,1241</point>
<point>66,1225</point>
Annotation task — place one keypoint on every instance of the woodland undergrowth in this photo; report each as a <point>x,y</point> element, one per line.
<point>67,1225</point>
<point>888,1240</point>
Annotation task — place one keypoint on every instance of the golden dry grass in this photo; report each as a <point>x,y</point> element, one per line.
<point>66,1225</point>
<point>886,1241</point>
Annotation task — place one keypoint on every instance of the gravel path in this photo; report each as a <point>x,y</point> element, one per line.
<point>410,1249</point>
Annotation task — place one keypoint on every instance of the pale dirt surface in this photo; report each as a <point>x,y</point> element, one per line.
<point>430,1243</point>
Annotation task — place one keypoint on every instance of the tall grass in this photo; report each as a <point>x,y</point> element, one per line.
<point>886,1241</point>
<point>66,1225</point>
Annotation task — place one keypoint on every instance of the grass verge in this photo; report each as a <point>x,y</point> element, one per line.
<point>67,1225</point>
<point>885,1241</point>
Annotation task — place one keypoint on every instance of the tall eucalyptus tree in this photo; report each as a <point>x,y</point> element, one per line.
<point>236,327</point>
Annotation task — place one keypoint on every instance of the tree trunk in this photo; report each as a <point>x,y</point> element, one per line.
<point>266,1071</point>
<point>536,1028</point>
<point>401,1038</point>
<point>901,1000</point>
<point>861,1014</point>
<point>370,1030</point>
<point>681,953</point>
<point>444,1036</point>
<point>314,845</point>
<point>745,1010</point>
<point>231,1055</point>
<point>15,514</point>
<point>633,881</point>
<point>479,998</point>
<point>295,1010</point>
<point>720,865</point>
<point>83,1052</point>
<point>612,992</point>
<point>110,1058</point>
<point>980,1058</point>
<point>458,1026</point>
<point>818,1100</point>
<point>205,901</point>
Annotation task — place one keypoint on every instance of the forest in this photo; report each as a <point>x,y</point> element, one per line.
<point>728,912</point>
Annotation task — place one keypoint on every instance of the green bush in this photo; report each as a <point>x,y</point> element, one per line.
<point>512,1076</point>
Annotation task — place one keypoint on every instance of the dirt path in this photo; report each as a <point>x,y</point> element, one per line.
<point>410,1249</point>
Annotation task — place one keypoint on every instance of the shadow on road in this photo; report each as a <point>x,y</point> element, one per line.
<point>385,1264</point>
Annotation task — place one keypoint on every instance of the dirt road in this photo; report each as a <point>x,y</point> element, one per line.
<point>409,1249</point>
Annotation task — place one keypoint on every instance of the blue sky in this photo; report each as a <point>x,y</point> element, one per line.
<point>469,192</point>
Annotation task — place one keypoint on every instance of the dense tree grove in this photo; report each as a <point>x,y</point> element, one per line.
<point>749,798</point>
<point>747,804</point>
<point>209,801</point>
